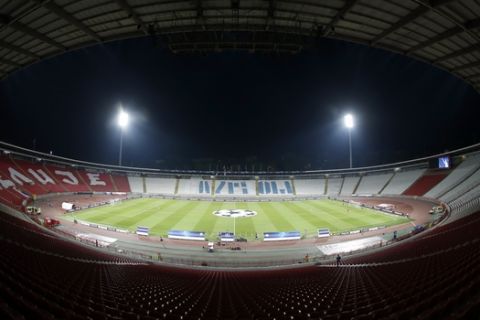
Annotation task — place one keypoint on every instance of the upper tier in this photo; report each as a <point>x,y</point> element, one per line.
<point>24,177</point>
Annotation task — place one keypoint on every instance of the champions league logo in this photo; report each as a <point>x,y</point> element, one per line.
<point>234,213</point>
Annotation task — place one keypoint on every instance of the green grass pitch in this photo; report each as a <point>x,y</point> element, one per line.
<point>306,216</point>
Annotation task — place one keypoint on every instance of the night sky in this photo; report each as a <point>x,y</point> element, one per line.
<point>238,109</point>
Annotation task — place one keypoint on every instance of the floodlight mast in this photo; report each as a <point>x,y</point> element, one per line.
<point>348,121</point>
<point>122,123</point>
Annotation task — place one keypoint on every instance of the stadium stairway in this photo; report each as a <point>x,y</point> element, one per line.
<point>10,196</point>
<point>8,168</point>
<point>292,183</point>
<point>177,182</point>
<point>341,185</point>
<point>112,182</point>
<point>83,181</point>
<point>33,189</point>
<point>121,182</point>
<point>55,179</point>
<point>21,180</point>
<point>29,166</point>
<point>459,183</point>
<point>467,167</point>
<point>357,185</point>
<point>388,182</point>
<point>144,183</point>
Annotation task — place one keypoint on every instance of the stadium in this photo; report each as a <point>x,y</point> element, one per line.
<point>91,240</point>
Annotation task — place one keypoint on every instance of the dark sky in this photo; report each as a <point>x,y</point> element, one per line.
<point>285,111</point>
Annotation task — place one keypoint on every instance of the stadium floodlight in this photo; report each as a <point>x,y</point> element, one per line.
<point>122,119</point>
<point>349,123</point>
<point>122,123</point>
<point>348,120</point>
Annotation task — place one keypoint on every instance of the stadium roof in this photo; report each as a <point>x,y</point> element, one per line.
<point>444,33</point>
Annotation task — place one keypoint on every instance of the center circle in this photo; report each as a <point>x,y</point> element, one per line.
<point>235,213</point>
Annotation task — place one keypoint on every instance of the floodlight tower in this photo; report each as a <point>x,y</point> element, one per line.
<point>122,123</point>
<point>348,121</point>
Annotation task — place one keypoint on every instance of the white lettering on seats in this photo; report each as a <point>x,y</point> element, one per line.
<point>69,177</point>
<point>41,176</point>
<point>95,179</point>
<point>18,177</point>
<point>5,184</point>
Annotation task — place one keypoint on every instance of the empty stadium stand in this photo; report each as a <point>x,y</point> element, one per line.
<point>25,173</point>
<point>120,182</point>
<point>373,183</point>
<point>433,275</point>
<point>402,180</point>
<point>465,204</point>
<point>22,177</point>
<point>68,177</point>
<point>349,185</point>
<point>45,277</point>
<point>275,188</point>
<point>461,189</point>
<point>425,183</point>
<point>195,186</point>
<point>160,185</point>
<point>136,184</point>
<point>459,174</point>
<point>334,185</point>
<point>21,180</point>
<point>310,186</point>
<point>97,181</point>
<point>235,188</point>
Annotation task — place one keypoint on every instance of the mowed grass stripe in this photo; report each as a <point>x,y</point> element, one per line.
<point>247,227</point>
<point>135,220</point>
<point>368,217</point>
<point>298,222</point>
<point>262,221</point>
<point>166,222</point>
<point>351,217</point>
<point>204,223</point>
<point>192,217</point>
<point>107,211</point>
<point>244,226</point>
<point>109,214</point>
<point>354,218</point>
<point>223,224</point>
<point>280,223</point>
<point>157,213</point>
<point>331,216</point>
<point>130,215</point>
<point>315,217</point>
<point>359,217</point>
